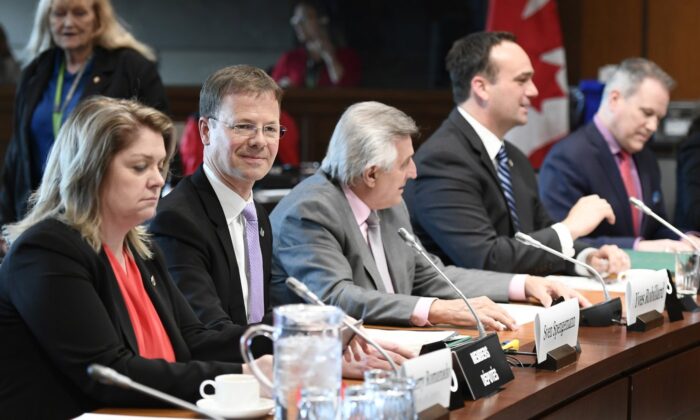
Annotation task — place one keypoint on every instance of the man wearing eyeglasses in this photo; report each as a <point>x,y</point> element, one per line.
<point>217,241</point>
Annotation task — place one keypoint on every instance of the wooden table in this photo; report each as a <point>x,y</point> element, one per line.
<point>619,374</point>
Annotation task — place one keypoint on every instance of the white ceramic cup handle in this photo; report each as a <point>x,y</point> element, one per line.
<point>248,358</point>
<point>203,385</point>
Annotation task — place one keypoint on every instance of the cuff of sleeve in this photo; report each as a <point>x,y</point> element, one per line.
<point>565,239</point>
<point>419,317</point>
<point>582,257</point>
<point>636,242</point>
<point>516,289</point>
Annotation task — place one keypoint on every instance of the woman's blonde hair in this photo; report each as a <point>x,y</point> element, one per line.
<point>110,33</point>
<point>93,134</point>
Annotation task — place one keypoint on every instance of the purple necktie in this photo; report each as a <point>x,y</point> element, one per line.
<point>256,303</point>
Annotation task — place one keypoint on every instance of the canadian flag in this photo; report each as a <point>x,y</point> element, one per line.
<point>535,23</point>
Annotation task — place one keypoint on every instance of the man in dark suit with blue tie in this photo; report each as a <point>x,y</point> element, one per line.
<point>474,190</point>
<point>611,157</point>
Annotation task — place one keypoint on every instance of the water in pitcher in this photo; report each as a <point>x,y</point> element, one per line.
<point>303,361</point>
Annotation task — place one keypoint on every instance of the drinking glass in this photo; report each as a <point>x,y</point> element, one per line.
<point>687,274</point>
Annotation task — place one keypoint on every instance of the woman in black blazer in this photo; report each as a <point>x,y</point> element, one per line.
<point>62,307</point>
<point>77,49</point>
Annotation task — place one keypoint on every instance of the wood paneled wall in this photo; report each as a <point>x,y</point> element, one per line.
<point>600,32</point>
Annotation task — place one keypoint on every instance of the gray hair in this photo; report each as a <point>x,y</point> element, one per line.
<point>365,137</point>
<point>631,73</point>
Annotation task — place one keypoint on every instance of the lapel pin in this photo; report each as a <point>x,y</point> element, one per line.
<point>510,163</point>
<point>153,281</point>
<point>96,80</point>
<point>262,232</point>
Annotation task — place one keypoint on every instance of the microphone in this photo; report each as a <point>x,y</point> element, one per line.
<point>649,212</point>
<point>109,376</point>
<point>413,243</point>
<point>301,290</point>
<point>598,315</point>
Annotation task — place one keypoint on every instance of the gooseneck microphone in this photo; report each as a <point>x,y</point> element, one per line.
<point>109,376</point>
<point>301,290</point>
<point>649,212</point>
<point>413,243</point>
<point>598,315</point>
<point>529,240</point>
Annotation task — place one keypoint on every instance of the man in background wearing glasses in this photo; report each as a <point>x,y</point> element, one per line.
<point>217,241</point>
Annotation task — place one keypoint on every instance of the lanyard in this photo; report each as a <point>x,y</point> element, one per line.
<point>58,109</point>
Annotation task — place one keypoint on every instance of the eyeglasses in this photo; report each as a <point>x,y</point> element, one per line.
<point>248,130</point>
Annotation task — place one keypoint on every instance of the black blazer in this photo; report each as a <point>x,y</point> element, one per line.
<point>581,164</point>
<point>191,228</point>
<point>61,310</point>
<point>459,211</point>
<point>120,73</point>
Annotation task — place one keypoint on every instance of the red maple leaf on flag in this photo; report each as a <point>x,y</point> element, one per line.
<point>538,34</point>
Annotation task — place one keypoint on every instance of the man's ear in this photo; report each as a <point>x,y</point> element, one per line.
<point>369,176</point>
<point>479,87</point>
<point>614,98</point>
<point>204,130</point>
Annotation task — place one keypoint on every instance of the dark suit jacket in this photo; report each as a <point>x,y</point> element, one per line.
<point>459,211</point>
<point>120,73</point>
<point>581,164</point>
<point>61,309</point>
<point>688,184</point>
<point>191,228</point>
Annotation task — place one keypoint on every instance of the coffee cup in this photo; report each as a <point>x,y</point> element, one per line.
<point>232,391</point>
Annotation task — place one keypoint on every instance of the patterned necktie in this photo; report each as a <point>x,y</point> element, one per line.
<point>503,171</point>
<point>625,166</point>
<point>256,303</point>
<point>374,237</point>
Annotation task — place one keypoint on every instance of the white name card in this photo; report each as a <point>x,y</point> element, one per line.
<point>556,326</point>
<point>434,378</point>
<point>646,291</point>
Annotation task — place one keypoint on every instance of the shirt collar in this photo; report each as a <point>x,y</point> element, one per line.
<point>491,142</point>
<point>613,145</point>
<point>231,203</point>
<point>359,209</point>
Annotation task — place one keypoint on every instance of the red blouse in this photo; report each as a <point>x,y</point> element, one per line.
<point>152,340</point>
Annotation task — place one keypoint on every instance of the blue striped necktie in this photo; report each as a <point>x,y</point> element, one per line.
<point>503,171</point>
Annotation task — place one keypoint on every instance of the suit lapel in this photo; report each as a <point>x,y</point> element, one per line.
<point>265,237</point>
<point>396,253</point>
<point>357,240</point>
<point>121,312</point>
<point>215,213</point>
<point>103,65</point>
<point>521,191</point>
<point>647,191</point>
<point>474,142</point>
<point>612,171</point>
<point>153,284</point>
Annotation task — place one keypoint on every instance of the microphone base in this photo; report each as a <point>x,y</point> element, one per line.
<point>602,314</point>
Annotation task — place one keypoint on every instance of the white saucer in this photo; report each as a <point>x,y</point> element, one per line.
<point>264,406</point>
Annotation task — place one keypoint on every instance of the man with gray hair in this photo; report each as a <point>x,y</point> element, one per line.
<point>337,232</point>
<point>610,157</point>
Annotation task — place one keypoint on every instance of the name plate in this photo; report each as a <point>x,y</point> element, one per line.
<point>646,292</point>
<point>556,326</point>
<point>434,378</point>
<point>483,366</point>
